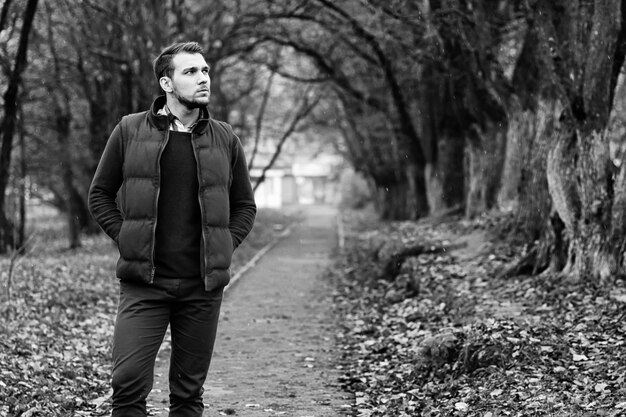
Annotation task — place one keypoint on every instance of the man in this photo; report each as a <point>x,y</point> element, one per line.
<point>185,203</point>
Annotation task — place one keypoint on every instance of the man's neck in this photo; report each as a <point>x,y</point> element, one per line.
<point>185,115</point>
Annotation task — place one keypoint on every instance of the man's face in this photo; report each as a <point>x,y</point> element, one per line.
<point>190,83</point>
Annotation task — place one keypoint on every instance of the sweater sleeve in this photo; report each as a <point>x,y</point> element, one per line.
<point>241,196</point>
<point>105,184</point>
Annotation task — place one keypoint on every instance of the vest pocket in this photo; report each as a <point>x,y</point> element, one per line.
<point>135,239</point>
<point>220,248</point>
<point>121,238</point>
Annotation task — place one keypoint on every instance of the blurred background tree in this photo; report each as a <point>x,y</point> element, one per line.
<point>439,106</point>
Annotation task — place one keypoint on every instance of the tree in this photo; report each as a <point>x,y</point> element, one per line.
<point>352,54</point>
<point>533,116</point>
<point>87,74</point>
<point>8,123</point>
<point>582,47</point>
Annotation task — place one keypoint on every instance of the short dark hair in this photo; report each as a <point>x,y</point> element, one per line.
<point>162,65</point>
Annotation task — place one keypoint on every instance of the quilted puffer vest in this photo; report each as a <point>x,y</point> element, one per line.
<point>144,138</point>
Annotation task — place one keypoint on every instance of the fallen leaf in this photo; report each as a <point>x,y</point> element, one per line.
<point>601,387</point>
<point>461,406</point>
<point>495,392</point>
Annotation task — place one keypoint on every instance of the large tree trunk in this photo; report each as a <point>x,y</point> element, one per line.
<point>561,181</point>
<point>580,171</point>
<point>392,201</point>
<point>525,185</point>
<point>534,204</point>
<point>579,175</point>
<point>591,245</point>
<point>520,131</point>
<point>532,113</point>
<point>445,177</point>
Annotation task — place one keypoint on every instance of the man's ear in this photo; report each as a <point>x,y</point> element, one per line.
<point>166,84</point>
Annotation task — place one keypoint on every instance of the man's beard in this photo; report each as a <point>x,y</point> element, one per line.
<point>189,104</point>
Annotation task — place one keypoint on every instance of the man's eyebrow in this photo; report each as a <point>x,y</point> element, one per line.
<point>203,67</point>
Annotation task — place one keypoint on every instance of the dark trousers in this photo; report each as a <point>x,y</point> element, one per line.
<point>143,315</point>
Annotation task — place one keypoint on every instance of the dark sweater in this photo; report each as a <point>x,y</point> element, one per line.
<point>179,229</point>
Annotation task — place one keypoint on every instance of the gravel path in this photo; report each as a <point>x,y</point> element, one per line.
<point>274,353</point>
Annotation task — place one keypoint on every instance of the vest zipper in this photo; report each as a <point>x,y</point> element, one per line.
<point>156,204</point>
<point>203,245</point>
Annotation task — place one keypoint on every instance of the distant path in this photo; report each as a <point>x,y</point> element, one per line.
<point>274,351</point>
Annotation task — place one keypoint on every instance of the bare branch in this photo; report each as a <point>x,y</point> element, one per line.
<point>407,125</point>
<point>306,106</point>
<point>321,60</point>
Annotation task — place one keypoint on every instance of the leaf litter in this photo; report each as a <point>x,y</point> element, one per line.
<point>446,334</point>
<point>56,327</point>
<point>54,354</point>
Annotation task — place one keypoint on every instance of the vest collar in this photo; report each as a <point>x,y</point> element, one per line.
<point>163,121</point>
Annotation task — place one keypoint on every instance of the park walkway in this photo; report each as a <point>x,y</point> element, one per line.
<point>274,352</point>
